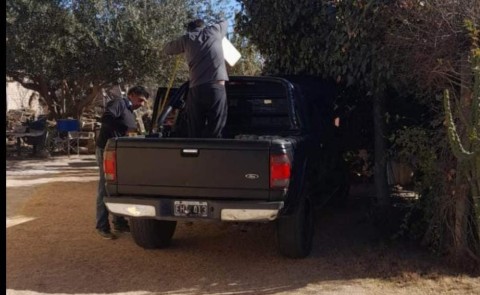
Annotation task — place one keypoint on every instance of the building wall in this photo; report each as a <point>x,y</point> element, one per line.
<point>18,97</point>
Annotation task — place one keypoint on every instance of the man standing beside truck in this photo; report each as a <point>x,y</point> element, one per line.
<point>117,120</point>
<point>207,98</point>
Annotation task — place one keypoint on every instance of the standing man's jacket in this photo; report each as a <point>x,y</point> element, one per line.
<point>204,55</point>
<point>117,119</point>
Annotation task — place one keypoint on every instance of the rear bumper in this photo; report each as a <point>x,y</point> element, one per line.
<point>163,209</point>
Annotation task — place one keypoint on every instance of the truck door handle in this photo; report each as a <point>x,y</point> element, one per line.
<point>189,152</point>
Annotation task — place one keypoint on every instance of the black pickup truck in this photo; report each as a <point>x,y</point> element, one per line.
<point>278,161</point>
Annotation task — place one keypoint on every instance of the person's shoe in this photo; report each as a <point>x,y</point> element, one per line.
<point>124,228</point>
<point>106,234</point>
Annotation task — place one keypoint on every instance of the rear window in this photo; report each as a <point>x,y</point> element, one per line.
<point>256,108</point>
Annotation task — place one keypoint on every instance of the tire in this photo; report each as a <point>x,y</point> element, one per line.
<point>152,233</point>
<point>295,232</point>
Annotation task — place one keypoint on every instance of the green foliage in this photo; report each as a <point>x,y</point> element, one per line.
<point>283,37</point>
<point>419,139</point>
<point>414,145</point>
<point>211,11</point>
<point>68,51</point>
<point>420,147</point>
<point>467,151</point>
<point>251,62</point>
<point>420,47</point>
<point>341,40</point>
<point>424,149</point>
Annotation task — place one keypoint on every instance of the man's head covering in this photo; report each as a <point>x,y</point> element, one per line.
<point>195,24</point>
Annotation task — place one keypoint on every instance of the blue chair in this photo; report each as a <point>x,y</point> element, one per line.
<point>66,131</point>
<point>67,125</point>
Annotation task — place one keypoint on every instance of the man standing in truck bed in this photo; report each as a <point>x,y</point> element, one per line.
<point>207,99</point>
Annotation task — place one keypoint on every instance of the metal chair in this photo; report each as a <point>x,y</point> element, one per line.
<point>75,137</point>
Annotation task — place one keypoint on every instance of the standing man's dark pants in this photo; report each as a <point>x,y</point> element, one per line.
<point>207,110</point>
<point>102,212</point>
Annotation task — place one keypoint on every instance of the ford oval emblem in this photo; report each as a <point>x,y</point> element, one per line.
<point>252,176</point>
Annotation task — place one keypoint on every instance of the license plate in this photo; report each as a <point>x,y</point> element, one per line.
<point>190,209</point>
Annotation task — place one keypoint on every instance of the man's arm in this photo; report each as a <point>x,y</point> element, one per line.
<point>221,27</point>
<point>175,47</point>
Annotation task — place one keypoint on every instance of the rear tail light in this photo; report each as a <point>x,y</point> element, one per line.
<point>280,167</point>
<point>110,165</point>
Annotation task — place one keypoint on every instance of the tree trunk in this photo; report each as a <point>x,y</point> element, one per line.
<point>460,224</point>
<point>466,248</point>
<point>382,209</point>
<point>380,169</point>
<point>87,101</point>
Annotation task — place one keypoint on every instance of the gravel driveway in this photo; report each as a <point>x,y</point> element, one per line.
<point>52,248</point>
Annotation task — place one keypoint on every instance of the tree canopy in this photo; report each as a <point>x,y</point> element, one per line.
<point>381,51</point>
<point>69,50</point>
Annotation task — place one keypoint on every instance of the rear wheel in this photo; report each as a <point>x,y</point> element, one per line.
<point>295,232</point>
<point>152,233</point>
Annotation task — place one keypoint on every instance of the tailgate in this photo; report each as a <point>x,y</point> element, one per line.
<point>212,168</point>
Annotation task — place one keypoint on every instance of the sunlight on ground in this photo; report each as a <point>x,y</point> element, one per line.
<point>35,172</point>
<point>32,182</point>
<point>16,220</point>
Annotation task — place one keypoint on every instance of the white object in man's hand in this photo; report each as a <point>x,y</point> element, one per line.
<point>230,53</point>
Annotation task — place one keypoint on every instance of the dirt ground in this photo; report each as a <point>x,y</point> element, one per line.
<point>52,248</point>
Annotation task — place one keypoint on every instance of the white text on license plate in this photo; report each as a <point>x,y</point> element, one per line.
<point>190,208</point>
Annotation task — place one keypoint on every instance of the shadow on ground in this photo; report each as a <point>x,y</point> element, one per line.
<point>59,252</point>
<point>84,164</point>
